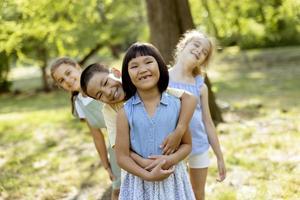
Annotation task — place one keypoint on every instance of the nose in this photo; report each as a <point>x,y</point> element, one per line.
<point>143,69</point>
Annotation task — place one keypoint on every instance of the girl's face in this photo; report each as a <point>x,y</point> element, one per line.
<point>106,87</point>
<point>68,77</point>
<point>144,72</point>
<point>196,50</point>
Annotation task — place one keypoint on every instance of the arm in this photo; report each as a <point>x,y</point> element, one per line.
<point>171,160</point>
<point>212,133</point>
<point>124,160</point>
<point>101,148</point>
<point>188,105</point>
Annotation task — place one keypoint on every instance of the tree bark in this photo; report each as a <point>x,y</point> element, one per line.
<point>168,20</point>
<point>90,54</point>
<point>43,55</point>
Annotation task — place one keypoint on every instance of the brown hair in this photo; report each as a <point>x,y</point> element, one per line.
<point>55,65</point>
<point>185,39</point>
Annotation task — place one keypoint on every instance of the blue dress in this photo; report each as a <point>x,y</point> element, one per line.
<point>200,142</point>
<point>146,135</point>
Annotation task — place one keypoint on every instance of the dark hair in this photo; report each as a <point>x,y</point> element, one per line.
<point>143,49</point>
<point>56,64</point>
<point>89,72</point>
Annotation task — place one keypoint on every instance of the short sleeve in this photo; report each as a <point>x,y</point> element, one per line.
<point>79,110</point>
<point>175,92</point>
<point>110,118</point>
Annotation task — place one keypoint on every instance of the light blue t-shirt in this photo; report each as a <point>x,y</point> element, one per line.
<point>147,133</point>
<point>200,142</point>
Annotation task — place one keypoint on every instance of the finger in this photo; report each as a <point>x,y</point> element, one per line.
<point>164,143</point>
<point>166,148</point>
<point>154,156</point>
<point>168,171</point>
<point>151,166</point>
<point>169,151</point>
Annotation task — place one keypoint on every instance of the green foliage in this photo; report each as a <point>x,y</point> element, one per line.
<point>46,154</point>
<point>37,31</point>
<point>250,24</point>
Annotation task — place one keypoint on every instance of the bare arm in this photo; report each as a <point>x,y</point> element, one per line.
<point>99,142</point>
<point>212,133</point>
<point>124,160</point>
<point>188,105</point>
<point>171,160</point>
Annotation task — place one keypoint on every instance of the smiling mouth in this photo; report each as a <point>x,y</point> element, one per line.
<point>115,94</point>
<point>144,77</point>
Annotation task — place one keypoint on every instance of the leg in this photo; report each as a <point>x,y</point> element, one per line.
<point>115,194</point>
<point>198,180</point>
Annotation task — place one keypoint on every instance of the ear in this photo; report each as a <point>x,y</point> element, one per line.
<point>116,72</point>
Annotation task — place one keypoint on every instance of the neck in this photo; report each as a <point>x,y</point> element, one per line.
<point>117,106</point>
<point>183,68</point>
<point>152,95</point>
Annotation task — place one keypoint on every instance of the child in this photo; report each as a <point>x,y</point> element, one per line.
<point>66,73</point>
<point>147,118</point>
<point>192,55</point>
<point>105,85</point>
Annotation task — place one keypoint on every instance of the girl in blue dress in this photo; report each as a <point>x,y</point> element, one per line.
<point>192,55</point>
<point>147,117</point>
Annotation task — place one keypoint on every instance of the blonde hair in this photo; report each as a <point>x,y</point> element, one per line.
<point>187,37</point>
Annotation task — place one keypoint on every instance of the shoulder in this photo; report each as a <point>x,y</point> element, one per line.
<point>203,90</point>
<point>175,92</point>
<point>170,99</point>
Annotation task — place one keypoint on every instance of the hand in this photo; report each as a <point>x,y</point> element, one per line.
<point>159,174</point>
<point>156,159</point>
<point>171,143</point>
<point>110,173</point>
<point>221,169</point>
<point>142,162</point>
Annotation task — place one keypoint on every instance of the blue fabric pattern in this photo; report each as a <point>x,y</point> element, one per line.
<point>200,142</point>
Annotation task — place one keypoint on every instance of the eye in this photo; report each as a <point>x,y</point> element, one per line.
<point>149,62</point>
<point>196,45</point>
<point>68,73</point>
<point>61,80</point>
<point>133,67</point>
<point>105,82</point>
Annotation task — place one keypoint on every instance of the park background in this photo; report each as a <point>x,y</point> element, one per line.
<point>47,154</point>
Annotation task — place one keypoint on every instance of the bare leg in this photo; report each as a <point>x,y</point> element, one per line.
<point>198,180</point>
<point>115,194</point>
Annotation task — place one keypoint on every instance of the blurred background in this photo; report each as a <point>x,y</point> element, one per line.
<point>253,81</point>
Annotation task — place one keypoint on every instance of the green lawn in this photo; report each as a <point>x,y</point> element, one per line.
<point>46,154</point>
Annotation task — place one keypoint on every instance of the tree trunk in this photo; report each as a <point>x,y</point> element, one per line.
<point>44,58</point>
<point>168,20</point>
<point>90,54</point>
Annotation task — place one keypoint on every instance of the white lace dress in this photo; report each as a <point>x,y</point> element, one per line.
<point>176,187</point>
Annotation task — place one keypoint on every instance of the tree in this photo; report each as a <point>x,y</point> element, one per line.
<point>168,20</point>
<point>38,31</point>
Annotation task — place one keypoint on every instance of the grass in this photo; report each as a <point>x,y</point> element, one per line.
<point>46,154</point>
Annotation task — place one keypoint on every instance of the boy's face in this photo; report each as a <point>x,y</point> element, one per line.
<point>106,87</point>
